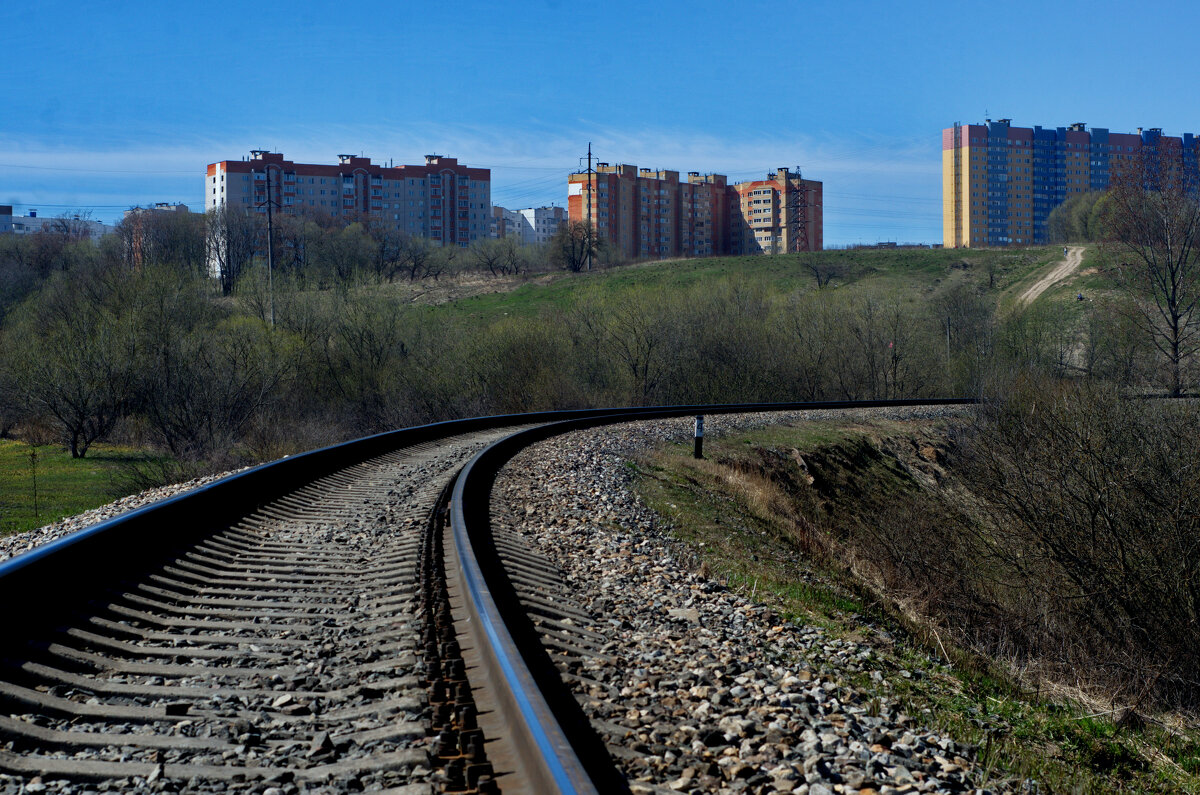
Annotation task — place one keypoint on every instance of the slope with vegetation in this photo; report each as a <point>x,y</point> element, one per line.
<point>968,551</point>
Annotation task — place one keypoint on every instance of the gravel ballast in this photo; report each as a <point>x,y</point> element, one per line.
<point>700,689</point>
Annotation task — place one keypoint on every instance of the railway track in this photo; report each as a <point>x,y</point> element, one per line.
<point>341,621</point>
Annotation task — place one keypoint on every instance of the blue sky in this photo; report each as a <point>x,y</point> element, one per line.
<point>110,104</point>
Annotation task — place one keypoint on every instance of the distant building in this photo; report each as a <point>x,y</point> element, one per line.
<point>778,214</point>
<point>1000,183</point>
<point>441,200</point>
<point>541,223</point>
<point>532,225</point>
<point>647,214</point>
<point>158,207</point>
<point>507,223</point>
<point>74,225</point>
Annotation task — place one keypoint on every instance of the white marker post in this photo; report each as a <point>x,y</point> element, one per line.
<point>699,453</point>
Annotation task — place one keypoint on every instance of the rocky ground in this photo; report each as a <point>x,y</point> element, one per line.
<point>699,689</point>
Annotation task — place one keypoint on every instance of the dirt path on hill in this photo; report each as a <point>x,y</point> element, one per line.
<point>1060,271</point>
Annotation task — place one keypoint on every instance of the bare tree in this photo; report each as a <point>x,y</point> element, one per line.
<point>231,234</point>
<point>443,262</point>
<point>515,258</point>
<point>488,255</point>
<point>502,257</point>
<point>574,246</point>
<point>72,227</point>
<point>1094,503</point>
<point>390,246</point>
<point>1152,224</point>
<point>631,331</point>
<point>416,257</point>
<point>823,269</point>
<point>164,237</point>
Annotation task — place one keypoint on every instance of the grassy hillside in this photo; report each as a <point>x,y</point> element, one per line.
<point>903,271</point>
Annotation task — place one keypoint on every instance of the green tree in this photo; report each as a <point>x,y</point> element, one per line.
<point>342,254</point>
<point>1078,219</point>
<point>74,348</point>
<point>202,376</point>
<point>12,403</point>
<point>365,354</point>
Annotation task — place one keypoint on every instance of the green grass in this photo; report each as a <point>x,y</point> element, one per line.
<point>899,270</point>
<point>64,486</point>
<point>720,509</point>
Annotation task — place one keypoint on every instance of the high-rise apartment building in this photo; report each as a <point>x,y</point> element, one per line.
<point>1000,183</point>
<point>442,200</point>
<point>647,214</point>
<point>775,215</point>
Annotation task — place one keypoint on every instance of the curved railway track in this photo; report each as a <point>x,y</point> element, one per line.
<point>343,620</point>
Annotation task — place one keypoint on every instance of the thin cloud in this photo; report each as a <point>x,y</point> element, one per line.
<point>875,187</point>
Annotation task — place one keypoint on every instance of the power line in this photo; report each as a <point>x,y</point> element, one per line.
<point>95,170</point>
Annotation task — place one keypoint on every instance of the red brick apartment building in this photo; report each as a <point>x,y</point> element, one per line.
<point>441,200</point>
<point>647,214</point>
<point>778,214</point>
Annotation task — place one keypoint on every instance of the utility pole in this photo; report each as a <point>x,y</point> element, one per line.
<point>270,250</point>
<point>588,239</point>
<point>270,204</point>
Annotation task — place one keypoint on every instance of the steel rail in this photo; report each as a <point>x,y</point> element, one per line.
<point>107,549</point>
<point>561,752</point>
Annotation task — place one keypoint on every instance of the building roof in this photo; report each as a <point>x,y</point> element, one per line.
<point>350,164</point>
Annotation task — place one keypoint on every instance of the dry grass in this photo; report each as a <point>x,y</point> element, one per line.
<point>800,524</point>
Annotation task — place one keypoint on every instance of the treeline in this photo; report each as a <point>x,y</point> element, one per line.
<point>314,251</point>
<point>157,355</point>
<point>1080,219</point>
